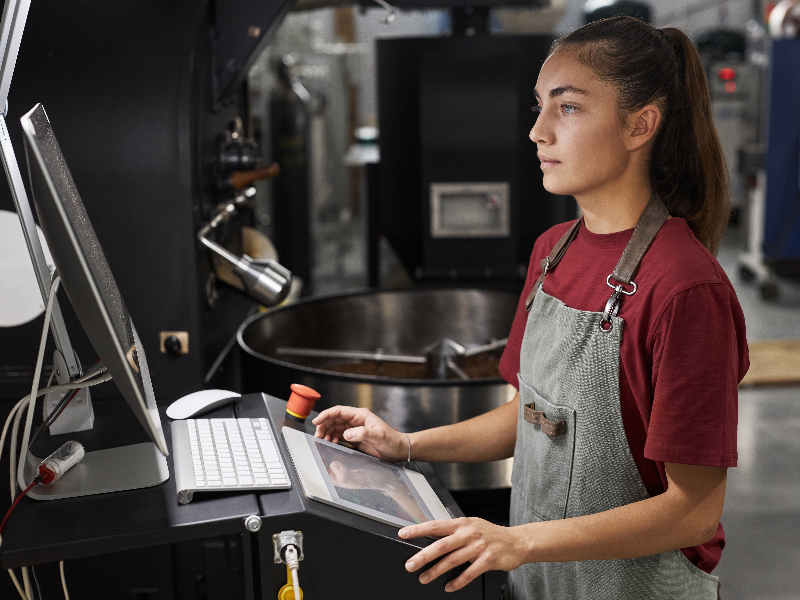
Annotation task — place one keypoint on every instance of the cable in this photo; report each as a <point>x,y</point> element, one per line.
<point>56,388</point>
<point>17,585</point>
<point>16,414</point>
<point>27,583</point>
<point>34,386</point>
<point>63,580</point>
<point>293,562</point>
<point>36,581</point>
<point>36,482</point>
<point>60,405</point>
<point>56,412</point>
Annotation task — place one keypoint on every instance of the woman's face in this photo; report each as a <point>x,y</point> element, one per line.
<point>580,140</point>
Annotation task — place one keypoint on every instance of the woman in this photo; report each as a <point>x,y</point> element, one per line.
<point>628,360</point>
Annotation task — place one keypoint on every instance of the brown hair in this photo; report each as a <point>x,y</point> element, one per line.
<point>661,66</point>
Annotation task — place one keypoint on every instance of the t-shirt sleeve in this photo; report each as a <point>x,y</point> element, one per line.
<point>699,357</point>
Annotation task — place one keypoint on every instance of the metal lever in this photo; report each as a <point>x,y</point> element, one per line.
<point>390,17</point>
<point>264,279</point>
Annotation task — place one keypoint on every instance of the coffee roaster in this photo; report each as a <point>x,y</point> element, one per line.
<point>461,195</point>
<point>417,358</point>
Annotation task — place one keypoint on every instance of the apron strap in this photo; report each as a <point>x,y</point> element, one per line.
<point>558,252</point>
<point>654,216</point>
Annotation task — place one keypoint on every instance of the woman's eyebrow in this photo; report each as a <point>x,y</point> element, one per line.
<point>563,89</point>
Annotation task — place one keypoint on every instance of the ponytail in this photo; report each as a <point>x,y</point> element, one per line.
<point>646,65</point>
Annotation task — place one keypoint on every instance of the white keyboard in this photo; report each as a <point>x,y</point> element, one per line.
<point>226,455</point>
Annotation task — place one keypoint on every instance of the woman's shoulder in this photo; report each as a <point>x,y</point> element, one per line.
<point>679,261</point>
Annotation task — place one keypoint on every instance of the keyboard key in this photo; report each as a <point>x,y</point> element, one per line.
<point>269,452</point>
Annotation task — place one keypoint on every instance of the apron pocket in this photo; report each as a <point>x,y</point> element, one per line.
<point>547,475</point>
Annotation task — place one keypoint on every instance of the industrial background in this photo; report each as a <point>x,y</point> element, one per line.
<point>406,175</point>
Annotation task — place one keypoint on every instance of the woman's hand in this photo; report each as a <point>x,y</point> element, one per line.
<point>363,430</point>
<point>486,546</point>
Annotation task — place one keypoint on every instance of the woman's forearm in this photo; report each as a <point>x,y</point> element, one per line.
<point>487,437</point>
<point>686,515</point>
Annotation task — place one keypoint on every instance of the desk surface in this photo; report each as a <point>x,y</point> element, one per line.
<point>48,531</point>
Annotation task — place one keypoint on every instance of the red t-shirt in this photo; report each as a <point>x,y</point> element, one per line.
<point>683,349</point>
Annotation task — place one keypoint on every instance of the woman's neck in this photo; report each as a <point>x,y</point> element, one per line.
<point>610,215</point>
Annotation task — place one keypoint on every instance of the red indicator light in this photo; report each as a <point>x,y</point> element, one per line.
<point>727,74</point>
<point>730,86</point>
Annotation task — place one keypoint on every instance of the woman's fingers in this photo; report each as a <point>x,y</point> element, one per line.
<point>471,540</point>
<point>356,435</point>
<point>477,568</point>
<point>444,529</point>
<point>431,528</point>
<point>362,428</point>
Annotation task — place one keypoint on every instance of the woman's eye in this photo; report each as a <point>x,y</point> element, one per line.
<point>536,109</point>
<point>568,109</point>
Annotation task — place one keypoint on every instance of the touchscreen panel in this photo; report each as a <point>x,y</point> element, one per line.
<point>356,479</point>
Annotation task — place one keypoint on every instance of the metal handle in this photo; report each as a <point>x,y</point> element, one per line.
<point>265,280</point>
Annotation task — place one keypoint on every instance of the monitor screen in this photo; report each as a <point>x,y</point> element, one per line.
<point>354,478</point>
<point>85,273</point>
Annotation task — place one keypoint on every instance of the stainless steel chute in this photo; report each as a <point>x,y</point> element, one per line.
<point>379,350</point>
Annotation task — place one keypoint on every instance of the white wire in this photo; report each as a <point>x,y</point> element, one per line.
<point>63,580</point>
<point>17,585</point>
<point>23,402</point>
<point>17,412</point>
<point>293,562</point>
<point>27,582</point>
<point>34,386</point>
<point>296,585</point>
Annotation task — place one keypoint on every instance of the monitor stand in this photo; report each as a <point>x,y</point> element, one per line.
<point>100,471</point>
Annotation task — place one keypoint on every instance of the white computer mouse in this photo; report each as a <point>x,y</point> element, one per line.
<point>199,402</point>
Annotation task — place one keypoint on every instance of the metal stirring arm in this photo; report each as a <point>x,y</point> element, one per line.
<point>377,356</point>
<point>441,357</point>
<point>490,347</point>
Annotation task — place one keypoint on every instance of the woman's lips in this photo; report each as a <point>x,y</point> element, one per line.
<point>548,162</point>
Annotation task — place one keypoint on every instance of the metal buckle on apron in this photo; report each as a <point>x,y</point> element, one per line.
<point>612,306</point>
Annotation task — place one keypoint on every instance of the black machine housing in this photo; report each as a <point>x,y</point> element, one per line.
<point>457,110</point>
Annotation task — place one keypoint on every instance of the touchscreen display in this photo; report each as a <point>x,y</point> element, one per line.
<point>369,484</point>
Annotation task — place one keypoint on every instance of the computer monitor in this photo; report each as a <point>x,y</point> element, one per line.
<point>96,300</point>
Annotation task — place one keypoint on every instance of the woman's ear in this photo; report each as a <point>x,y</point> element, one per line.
<point>644,124</point>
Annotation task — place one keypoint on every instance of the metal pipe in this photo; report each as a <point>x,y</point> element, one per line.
<point>351,355</point>
<point>451,364</point>
<point>491,346</point>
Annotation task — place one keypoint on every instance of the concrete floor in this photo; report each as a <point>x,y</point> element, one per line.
<point>762,509</point>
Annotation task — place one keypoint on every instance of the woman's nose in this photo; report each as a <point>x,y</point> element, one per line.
<point>539,131</point>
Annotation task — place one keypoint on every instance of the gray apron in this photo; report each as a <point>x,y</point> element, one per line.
<point>572,456</point>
